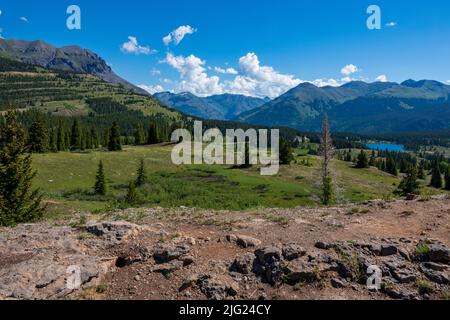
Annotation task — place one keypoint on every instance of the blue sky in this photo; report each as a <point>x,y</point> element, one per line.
<point>253,47</point>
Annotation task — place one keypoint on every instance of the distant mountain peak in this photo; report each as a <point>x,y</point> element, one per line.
<point>218,107</point>
<point>68,58</point>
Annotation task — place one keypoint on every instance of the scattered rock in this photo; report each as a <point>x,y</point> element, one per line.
<point>439,253</point>
<point>188,282</point>
<point>243,264</point>
<point>187,260</point>
<point>167,252</point>
<point>322,245</point>
<point>268,264</point>
<point>217,288</point>
<point>114,232</point>
<point>292,251</point>
<point>300,271</point>
<point>388,250</point>
<point>246,242</point>
<point>168,268</point>
<point>337,283</point>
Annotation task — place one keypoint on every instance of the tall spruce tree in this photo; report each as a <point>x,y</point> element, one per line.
<point>114,143</point>
<point>75,136</point>
<point>60,139</point>
<point>38,135</point>
<point>362,160</point>
<point>447,178</point>
<point>132,196</point>
<point>100,181</point>
<point>326,151</point>
<point>421,171</point>
<point>52,141</point>
<point>139,135</point>
<point>152,137</point>
<point>409,184</point>
<point>436,176</point>
<point>141,174</point>
<point>19,203</point>
<point>286,154</point>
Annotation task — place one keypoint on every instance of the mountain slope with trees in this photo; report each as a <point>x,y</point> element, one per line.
<point>217,107</point>
<point>360,107</point>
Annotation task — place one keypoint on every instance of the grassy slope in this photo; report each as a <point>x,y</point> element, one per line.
<point>67,180</point>
<point>66,95</point>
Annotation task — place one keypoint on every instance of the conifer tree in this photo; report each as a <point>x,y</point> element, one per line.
<point>141,174</point>
<point>409,184</point>
<point>362,161</point>
<point>326,151</point>
<point>132,195</point>
<point>421,171</point>
<point>100,181</point>
<point>139,136</point>
<point>19,203</point>
<point>75,136</point>
<point>60,140</point>
<point>38,136</point>
<point>447,178</point>
<point>52,141</point>
<point>114,143</point>
<point>436,176</point>
<point>286,154</point>
<point>152,134</point>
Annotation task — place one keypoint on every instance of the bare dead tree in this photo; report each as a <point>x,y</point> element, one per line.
<point>326,151</point>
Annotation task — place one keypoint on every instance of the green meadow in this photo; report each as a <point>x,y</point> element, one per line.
<point>67,180</point>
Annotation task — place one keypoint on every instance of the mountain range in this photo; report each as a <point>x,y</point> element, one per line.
<point>70,58</point>
<point>217,107</point>
<point>359,107</point>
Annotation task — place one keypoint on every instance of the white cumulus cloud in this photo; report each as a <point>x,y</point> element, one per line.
<point>151,89</point>
<point>391,24</point>
<point>326,83</point>
<point>382,78</point>
<point>261,81</point>
<point>132,46</point>
<point>193,76</point>
<point>226,71</point>
<point>24,19</point>
<point>178,35</point>
<point>349,69</point>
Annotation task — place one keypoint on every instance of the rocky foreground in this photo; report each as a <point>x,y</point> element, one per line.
<point>318,253</point>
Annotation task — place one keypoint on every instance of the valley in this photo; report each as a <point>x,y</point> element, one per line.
<point>88,180</point>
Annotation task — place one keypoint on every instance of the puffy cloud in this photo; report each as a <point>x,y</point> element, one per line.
<point>24,19</point>
<point>382,78</point>
<point>132,46</point>
<point>251,78</point>
<point>391,24</point>
<point>178,35</point>
<point>326,83</point>
<point>261,81</point>
<point>226,71</point>
<point>151,89</point>
<point>448,81</point>
<point>349,69</point>
<point>193,77</point>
